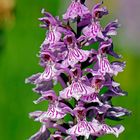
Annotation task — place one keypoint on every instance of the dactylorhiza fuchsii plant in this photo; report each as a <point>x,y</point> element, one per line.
<point>70,56</point>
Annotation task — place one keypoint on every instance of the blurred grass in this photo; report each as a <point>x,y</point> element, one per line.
<point>18,61</point>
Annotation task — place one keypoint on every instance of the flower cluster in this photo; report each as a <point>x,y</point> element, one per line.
<point>83,74</point>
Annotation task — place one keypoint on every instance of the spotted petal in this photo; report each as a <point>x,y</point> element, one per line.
<point>116,130</point>
<point>104,65</point>
<point>53,36</point>
<point>54,113</point>
<point>75,55</point>
<point>83,128</point>
<point>76,90</point>
<point>93,31</point>
<point>50,73</point>
<point>91,98</point>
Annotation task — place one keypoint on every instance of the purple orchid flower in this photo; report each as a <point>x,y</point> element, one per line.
<point>106,47</point>
<point>43,86</point>
<point>75,10</point>
<point>98,11</point>
<point>73,53</point>
<point>94,31</point>
<point>85,128</point>
<point>54,33</point>
<point>48,20</point>
<point>53,36</point>
<point>78,87</point>
<point>56,110</point>
<point>104,66</point>
<point>51,72</point>
<point>82,73</point>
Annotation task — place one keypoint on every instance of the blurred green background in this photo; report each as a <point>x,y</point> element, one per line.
<point>20,38</point>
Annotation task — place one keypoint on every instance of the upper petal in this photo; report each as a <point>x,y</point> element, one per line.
<point>75,9</point>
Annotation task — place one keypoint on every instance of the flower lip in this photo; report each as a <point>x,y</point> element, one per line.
<point>93,31</point>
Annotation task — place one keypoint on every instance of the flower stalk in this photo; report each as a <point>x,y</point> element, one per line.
<point>83,73</point>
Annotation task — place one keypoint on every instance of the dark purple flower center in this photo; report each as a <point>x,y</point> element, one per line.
<point>75,72</point>
<point>46,57</point>
<point>97,83</point>
<point>97,14</point>
<point>50,98</point>
<point>104,50</point>
<point>69,40</point>
<point>46,21</point>
<point>81,114</point>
